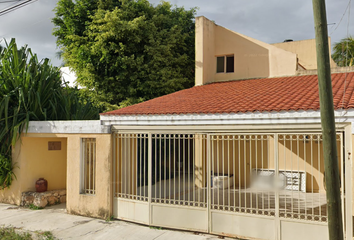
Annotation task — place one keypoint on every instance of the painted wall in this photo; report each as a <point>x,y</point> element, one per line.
<point>253,58</point>
<point>296,156</point>
<point>200,161</point>
<point>205,64</point>
<point>241,155</point>
<point>38,161</point>
<point>305,51</point>
<point>98,205</point>
<point>126,152</point>
<point>12,195</point>
<point>62,170</point>
<point>33,160</point>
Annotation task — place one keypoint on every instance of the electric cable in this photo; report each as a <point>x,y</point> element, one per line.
<point>346,9</point>
<point>16,7</point>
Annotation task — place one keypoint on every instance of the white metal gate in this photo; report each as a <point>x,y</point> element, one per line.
<point>158,181</point>
<point>263,186</point>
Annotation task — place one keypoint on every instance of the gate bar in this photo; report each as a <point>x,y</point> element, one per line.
<point>208,181</point>
<point>276,162</point>
<point>149,175</point>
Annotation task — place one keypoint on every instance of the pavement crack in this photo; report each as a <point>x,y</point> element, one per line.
<point>81,222</point>
<point>87,233</point>
<point>159,236</point>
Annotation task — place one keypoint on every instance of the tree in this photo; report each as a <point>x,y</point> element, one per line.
<point>31,90</point>
<point>126,51</point>
<point>343,52</point>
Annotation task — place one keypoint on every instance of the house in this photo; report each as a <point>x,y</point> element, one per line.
<point>239,154</point>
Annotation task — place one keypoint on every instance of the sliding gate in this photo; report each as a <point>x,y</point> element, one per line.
<point>263,186</point>
<point>159,181</point>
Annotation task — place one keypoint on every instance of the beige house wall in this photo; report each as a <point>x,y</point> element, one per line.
<point>98,205</point>
<point>32,161</point>
<point>200,163</point>
<point>124,163</point>
<point>305,51</point>
<point>62,170</point>
<point>205,62</point>
<point>240,157</point>
<point>295,156</point>
<point>253,58</point>
<point>12,195</point>
<point>38,161</point>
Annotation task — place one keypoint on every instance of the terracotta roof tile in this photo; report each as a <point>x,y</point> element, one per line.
<point>269,94</point>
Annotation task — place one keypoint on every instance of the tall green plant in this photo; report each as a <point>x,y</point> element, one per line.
<point>31,90</point>
<point>126,51</point>
<point>343,52</point>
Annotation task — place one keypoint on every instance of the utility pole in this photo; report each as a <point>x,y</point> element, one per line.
<point>334,211</point>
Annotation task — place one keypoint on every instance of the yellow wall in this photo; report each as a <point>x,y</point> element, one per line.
<point>33,160</point>
<point>38,161</point>
<point>297,157</point>
<point>62,170</point>
<point>239,157</point>
<point>248,154</point>
<point>126,165</point>
<point>200,162</point>
<point>205,64</point>
<point>12,195</point>
<point>305,51</point>
<point>253,58</point>
<point>98,205</point>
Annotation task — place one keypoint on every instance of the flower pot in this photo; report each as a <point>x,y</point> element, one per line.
<point>41,185</point>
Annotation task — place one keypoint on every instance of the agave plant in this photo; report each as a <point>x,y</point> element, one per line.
<point>32,90</point>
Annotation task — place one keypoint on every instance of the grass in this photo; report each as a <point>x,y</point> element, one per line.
<point>157,228</point>
<point>111,218</point>
<point>11,233</point>
<point>34,207</point>
<point>46,235</point>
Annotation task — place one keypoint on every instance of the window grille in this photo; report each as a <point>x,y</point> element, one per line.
<point>88,174</point>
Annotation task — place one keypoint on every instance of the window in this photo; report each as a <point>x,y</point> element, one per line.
<point>225,64</point>
<point>220,65</point>
<point>88,165</point>
<point>230,63</point>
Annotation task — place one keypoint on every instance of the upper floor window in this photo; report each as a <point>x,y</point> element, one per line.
<point>225,64</point>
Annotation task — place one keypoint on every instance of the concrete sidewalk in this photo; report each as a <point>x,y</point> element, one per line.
<point>66,226</point>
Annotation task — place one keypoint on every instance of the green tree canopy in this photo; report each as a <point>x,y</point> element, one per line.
<point>32,90</point>
<point>343,52</point>
<point>126,51</point>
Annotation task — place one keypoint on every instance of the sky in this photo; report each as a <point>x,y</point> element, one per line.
<point>270,21</point>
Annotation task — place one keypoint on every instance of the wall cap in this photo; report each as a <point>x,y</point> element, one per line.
<point>87,126</point>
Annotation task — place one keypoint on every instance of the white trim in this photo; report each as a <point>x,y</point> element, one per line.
<point>92,126</point>
<point>249,118</point>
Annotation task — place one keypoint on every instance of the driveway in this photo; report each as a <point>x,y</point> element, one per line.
<point>66,226</point>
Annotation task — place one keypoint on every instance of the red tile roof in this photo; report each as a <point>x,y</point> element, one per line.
<point>269,94</point>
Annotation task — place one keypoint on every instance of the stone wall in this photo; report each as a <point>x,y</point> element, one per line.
<point>43,199</point>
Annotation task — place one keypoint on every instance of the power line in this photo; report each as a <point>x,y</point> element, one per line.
<point>346,57</point>
<point>346,9</point>
<point>10,1</point>
<point>10,4</point>
<point>16,7</point>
